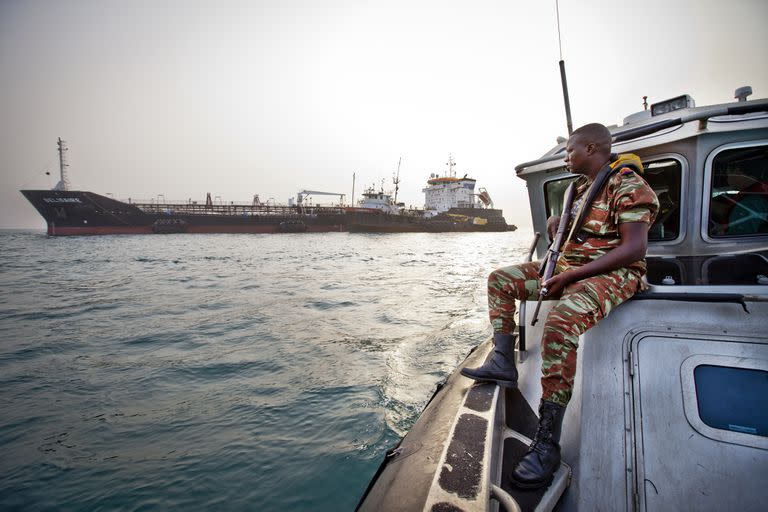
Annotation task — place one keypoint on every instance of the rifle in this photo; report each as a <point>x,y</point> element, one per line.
<point>553,253</point>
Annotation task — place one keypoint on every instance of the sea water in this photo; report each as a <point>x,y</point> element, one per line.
<point>225,372</point>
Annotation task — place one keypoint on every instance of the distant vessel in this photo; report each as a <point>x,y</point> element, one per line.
<point>450,204</point>
<point>69,212</point>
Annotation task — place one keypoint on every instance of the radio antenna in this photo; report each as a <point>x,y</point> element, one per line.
<point>562,74</point>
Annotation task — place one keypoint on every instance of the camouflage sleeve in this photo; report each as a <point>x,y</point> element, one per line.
<point>634,200</point>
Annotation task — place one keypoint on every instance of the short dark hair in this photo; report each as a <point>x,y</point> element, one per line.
<point>595,133</point>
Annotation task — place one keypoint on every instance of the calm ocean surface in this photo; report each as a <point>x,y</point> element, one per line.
<point>225,372</point>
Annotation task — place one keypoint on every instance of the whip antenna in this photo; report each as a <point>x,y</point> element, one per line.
<point>562,74</point>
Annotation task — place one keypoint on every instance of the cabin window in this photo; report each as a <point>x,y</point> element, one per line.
<point>733,399</point>
<point>665,176</point>
<point>554,194</point>
<point>738,204</point>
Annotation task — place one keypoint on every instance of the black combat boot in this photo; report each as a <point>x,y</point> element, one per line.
<point>539,464</point>
<point>500,368</point>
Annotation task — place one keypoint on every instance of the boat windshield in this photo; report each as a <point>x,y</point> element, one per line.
<point>738,204</point>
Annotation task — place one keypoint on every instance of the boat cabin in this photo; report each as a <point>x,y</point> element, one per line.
<point>379,201</point>
<point>671,406</point>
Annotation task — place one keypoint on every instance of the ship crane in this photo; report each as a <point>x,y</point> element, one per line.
<point>304,193</point>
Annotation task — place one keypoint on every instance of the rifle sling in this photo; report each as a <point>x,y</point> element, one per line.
<point>589,196</point>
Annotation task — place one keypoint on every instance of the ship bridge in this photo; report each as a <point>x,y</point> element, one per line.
<point>445,192</point>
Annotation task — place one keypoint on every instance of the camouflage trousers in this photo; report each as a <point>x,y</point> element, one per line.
<point>580,306</point>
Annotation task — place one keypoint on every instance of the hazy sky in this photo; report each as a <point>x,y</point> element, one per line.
<point>271,97</point>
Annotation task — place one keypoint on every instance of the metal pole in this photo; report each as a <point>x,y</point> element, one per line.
<point>62,165</point>
<point>397,180</point>
<point>521,312</point>
<point>565,97</point>
<point>562,74</point>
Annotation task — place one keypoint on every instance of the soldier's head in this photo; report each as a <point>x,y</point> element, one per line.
<point>588,149</point>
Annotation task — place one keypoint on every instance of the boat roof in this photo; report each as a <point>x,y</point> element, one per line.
<point>652,130</point>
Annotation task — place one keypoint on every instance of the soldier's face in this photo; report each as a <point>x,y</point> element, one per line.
<point>577,153</point>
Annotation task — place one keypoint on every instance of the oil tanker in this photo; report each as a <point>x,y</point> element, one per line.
<point>451,205</point>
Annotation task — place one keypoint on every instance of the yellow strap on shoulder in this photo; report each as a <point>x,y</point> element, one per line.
<point>629,160</point>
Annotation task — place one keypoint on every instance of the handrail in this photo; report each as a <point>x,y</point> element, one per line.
<point>503,497</point>
<point>521,312</point>
<point>735,298</point>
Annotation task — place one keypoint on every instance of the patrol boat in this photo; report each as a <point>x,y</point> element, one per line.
<point>670,405</point>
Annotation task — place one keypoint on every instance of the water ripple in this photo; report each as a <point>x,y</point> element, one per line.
<point>225,371</point>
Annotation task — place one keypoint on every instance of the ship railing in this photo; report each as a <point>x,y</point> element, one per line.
<point>233,209</point>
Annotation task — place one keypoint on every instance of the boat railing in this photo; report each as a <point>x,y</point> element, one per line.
<point>234,209</point>
<point>503,497</point>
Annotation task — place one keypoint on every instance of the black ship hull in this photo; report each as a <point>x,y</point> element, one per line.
<point>454,220</point>
<point>86,213</point>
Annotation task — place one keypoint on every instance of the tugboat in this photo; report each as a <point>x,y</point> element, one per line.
<point>670,405</point>
<point>378,201</point>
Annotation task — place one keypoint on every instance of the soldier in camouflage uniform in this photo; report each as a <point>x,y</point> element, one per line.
<point>601,266</point>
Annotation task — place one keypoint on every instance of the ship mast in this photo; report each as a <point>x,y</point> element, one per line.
<point>396,180</point>
<point>63,183</point>
<point>451,164</point>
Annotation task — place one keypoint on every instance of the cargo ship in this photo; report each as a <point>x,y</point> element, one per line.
<point>451,206</point>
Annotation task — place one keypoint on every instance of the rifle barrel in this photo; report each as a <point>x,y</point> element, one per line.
<point>536,312</point>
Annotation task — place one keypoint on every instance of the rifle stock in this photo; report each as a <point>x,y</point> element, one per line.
<point>553,253</point>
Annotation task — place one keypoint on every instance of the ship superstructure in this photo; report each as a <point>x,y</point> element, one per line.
<point>446,192</point>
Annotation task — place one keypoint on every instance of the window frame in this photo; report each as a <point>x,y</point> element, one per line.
<point>558,177</point>
<point>707,192</point>
<point>681,224</point>
<point>691,402</point>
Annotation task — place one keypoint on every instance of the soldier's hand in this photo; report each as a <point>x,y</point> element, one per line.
<point>552,224</point>
<point>557,283</point>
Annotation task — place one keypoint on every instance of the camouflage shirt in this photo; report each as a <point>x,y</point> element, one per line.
<point>626,197</point>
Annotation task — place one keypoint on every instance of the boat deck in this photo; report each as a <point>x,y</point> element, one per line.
<point>460,453</point>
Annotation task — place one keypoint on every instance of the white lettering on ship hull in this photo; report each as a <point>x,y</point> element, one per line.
<point>62,200</point>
